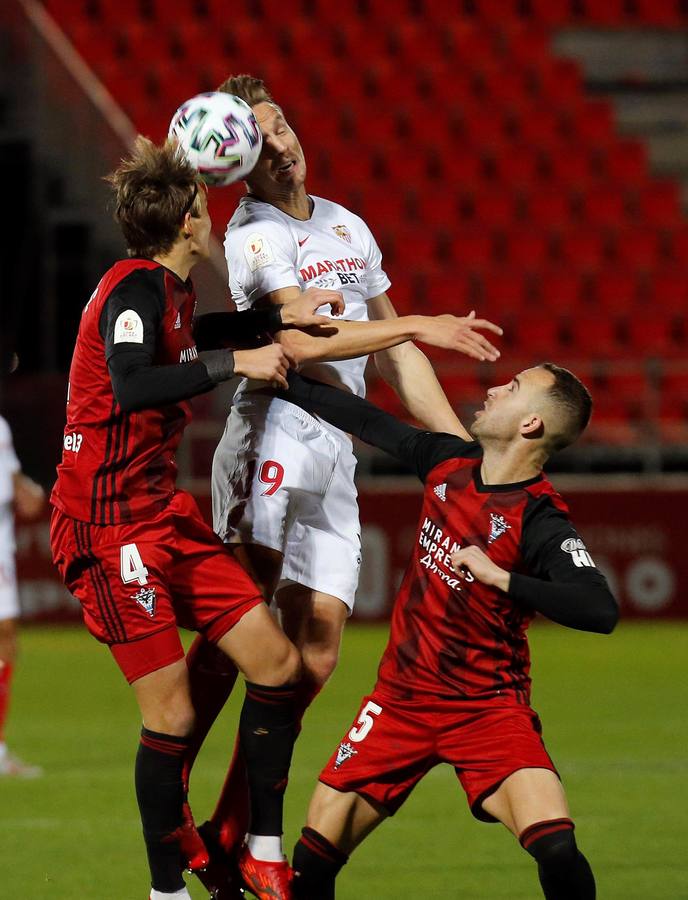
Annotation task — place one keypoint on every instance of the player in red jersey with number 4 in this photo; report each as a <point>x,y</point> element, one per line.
<point>494,545</point>
<point>132,548</point>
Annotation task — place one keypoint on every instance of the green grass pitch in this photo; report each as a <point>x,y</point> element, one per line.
<point>615,717</point>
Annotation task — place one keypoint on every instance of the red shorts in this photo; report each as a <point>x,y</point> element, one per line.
<point>137,582</point>
<point>393,744</point>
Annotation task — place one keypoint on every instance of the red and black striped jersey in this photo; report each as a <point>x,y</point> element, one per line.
<point>118,466</point>
<point>451,635</point>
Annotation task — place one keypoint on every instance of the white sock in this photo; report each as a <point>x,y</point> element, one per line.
<point>3,749</point>
<point>183,894</point>
<point>265,846</point>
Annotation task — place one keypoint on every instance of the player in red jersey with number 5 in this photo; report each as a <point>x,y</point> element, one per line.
<point>494,545</point>
<point>132,548</point>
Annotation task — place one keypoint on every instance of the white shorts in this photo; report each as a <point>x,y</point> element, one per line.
<point>283,480</point>
<point>9,598</point>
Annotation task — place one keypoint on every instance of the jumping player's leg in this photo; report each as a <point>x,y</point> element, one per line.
<point>532,805</point>
<point>164,700</point>
<point>336,824</point>
<point>213,675</point>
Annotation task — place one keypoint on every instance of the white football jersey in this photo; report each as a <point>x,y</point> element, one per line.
<point>9,466</point>
<point>267,249</point>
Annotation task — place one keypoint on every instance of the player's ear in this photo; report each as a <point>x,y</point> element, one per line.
<point>187,226</point>
<point>532,427</point>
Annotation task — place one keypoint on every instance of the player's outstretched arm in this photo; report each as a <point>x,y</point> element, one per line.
<point>348,340</point>
<point>420,450</point>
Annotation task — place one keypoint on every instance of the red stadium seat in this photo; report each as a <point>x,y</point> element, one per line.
<point>502,290</point>
<point>592,123</point>
<point>414,245</point>
<point>549,208</point>
<point>536,335</point>
<point>554,13</point>
<point>626,162</point>
<point>494,207</point>
<point>526,46</point>
<point>526,249</point>
<point>402,169</point>
<point>485,129</point>
<point>445,290</point>
<point>639,249</point>
<point>517,166</point>
<point>561,290</point>
<point>666,13</point>
<point>460,166</point>
<point>540,127</point>
<point>659,203</point>
<point>678,244</point>
<point>605,12</point>
<point>472,249</point>
<point>605,205</point>
<point>437,207</point>
<point>615,290</point>
<point>560,83</point>
<point>572,170</point>
<point>382,207</point>
<point>596,336</point>
<point>654,336</point>
<point>346,168</point>
<point>585,249</point>
<point>669,291</point>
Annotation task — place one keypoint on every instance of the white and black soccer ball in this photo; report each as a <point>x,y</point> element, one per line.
<point>220,136</point>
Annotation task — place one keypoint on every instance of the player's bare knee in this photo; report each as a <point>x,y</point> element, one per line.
<point>174,718</point>
<point>320,664</point>
<point>284,666</point>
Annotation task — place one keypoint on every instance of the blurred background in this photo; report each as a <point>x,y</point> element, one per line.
<point>527,158</point>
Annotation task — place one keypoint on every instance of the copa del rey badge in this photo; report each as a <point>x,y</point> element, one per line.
<point>146,598</point>
<point>343,232</point>
<point>258,252</point>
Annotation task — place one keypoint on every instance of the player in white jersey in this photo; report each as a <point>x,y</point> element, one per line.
<point>283,488</point>
<point>20,492</point>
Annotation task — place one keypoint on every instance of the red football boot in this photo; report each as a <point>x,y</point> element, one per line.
<point>266,880</point>
<point>221,876</point>
<point>190,842</point>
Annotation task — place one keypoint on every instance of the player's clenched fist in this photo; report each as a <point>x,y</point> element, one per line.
<point>269,363</point>
<point>481,567</point>
<point>460,333</point>
<point>300,312</point>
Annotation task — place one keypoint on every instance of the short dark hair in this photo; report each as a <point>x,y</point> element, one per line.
<point>248,88</point>
<point>154,187</point>
<point>573,400</point>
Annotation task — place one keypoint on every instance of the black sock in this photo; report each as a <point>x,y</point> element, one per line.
<point>565,873</point>
<point>160,794</point>
<point>267,728</point>
<point>316,864</point>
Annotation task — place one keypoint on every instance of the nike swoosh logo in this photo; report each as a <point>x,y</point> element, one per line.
<point>302,242</point>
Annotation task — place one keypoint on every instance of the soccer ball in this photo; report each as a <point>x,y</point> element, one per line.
<point>220,136</point>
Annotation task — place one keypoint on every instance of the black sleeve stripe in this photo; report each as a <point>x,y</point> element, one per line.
<point>142,290</point>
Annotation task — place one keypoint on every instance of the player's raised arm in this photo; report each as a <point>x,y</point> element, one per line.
<point>354,339</point>
<point>418,449</point>
<point>564,584</point>
<point>408,371</point>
